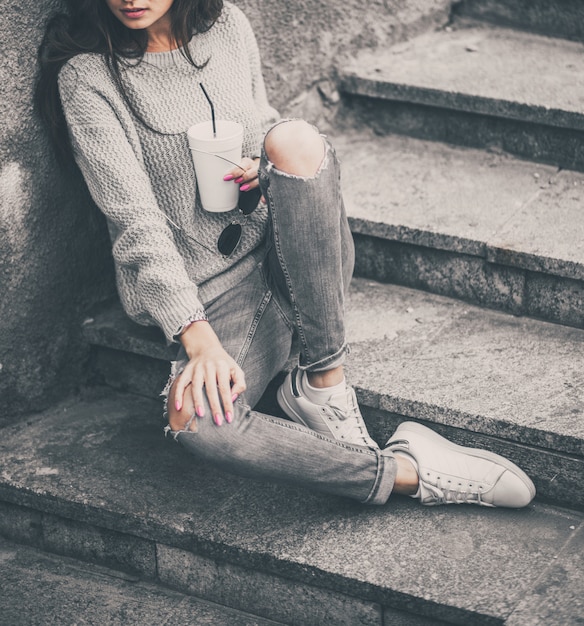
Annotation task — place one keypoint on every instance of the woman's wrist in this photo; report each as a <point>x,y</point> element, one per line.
<point>197,316</point>
<point>198,336</point>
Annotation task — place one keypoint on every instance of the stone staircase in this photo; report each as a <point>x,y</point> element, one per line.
<point>462,172</point>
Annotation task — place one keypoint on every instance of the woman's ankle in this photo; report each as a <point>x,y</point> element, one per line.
<point>406,479</point>
<point>329,378</point>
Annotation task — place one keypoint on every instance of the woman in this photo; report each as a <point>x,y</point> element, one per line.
<point>120,85</point>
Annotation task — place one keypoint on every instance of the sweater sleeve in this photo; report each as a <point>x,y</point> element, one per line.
<point>267,114</point>
<point>142,241</point>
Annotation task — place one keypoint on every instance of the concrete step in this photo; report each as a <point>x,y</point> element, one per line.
<point>44,589</point>
<point>94,479</point>
<point>480,377</point>
<point>480,226</point>
<point>481,86</point>
<point>561,18</point>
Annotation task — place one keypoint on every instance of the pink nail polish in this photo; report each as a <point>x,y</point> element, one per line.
<point>238,180</point>
<point>244,188</point>
<point>177,405</point>
<point>228,177</point>
<point>218,420</point>
<point>228,417</point>
<point>234,397</point>
<point>200,411</point>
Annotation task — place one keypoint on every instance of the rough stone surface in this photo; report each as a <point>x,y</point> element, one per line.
<point>112,328</point>
<point>226,584</point>
<point>341,543</point>
<point>545,235</point>
<point>550,602</point>
<point>301,47</point>
<point>536,142</point>
<point>556,299</point>
<point>99,545</point>
<point>492,71</point>
<point>21,524</point>
<point>130,372</point>
<point>54,259</point>
<point>435,195</point>
<point>80,455</point>
<point>103,463</point>
<point>506,376</point>
<point>467,278</point>
<point>562,18</point>
<point>42,589</point>
<point>422,213</point>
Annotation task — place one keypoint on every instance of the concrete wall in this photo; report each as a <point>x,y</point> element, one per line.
<point>301,47</point>
<point>54,254</point>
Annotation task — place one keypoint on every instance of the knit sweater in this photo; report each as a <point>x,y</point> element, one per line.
<point>137,174</point>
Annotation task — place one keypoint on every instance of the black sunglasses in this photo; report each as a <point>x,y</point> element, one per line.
<point>231,235</point>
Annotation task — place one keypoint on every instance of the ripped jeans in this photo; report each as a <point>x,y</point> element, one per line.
<point>296,293</point>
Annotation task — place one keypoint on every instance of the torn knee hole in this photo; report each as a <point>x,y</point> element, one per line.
<point>296,150</point>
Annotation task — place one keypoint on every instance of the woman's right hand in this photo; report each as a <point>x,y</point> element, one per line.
<point>210,370</point>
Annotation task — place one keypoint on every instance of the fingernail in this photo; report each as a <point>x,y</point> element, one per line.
<point>228,417</point>
<point>244,188</point>
<point>234,397</point>
<point>218,420</point>
<point>239,180</point>
<point>200,411</point>
<point>228,177</point>
<point>177,405</point>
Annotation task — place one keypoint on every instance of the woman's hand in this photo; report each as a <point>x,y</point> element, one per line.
<point>210,370</point>
<point>249,178</point>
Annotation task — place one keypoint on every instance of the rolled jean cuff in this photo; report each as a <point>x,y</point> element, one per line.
<point>329,362</point>
<point>385,479</point>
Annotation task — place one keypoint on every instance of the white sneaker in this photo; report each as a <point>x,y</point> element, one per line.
<point>339,418</point>
<point>452,474</point>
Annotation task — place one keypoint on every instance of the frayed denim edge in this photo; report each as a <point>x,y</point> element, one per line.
<point>176,369</point>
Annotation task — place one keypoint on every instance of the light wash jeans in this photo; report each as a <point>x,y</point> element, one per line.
<point>298,291</point>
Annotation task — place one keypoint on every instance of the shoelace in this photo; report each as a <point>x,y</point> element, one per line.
<point>448,495</point>
<point>351,416</point>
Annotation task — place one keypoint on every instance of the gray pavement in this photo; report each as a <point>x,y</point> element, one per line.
<point>41,589</point>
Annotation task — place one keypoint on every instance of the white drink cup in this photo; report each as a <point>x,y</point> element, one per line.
<point>209,154</point>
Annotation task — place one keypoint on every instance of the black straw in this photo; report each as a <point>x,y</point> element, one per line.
<point>212,109</point>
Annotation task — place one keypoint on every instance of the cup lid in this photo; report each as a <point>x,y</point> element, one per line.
<point>227,131</point>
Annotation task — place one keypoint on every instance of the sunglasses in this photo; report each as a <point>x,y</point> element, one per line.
<point>231,235</point>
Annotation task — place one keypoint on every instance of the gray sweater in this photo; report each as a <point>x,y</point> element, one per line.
<point>135,175</point>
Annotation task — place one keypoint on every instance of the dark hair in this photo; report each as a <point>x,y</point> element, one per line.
<point>90,26</point>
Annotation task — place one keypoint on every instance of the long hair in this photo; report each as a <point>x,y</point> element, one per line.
<point>90,26</point>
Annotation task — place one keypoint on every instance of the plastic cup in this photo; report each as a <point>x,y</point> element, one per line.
<point>216,194</point>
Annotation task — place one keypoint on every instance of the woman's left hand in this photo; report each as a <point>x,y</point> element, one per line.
<point>248,179</point>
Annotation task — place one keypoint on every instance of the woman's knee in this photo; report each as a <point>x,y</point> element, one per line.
<point>208,440</point>
<point>295,147</point>
<point>183,419</point>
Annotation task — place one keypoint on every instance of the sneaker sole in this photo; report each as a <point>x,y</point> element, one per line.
<point>474,452</point>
